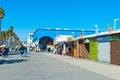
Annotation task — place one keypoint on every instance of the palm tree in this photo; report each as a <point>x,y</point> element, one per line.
<point>10,38</point>
<point>3,37</point>
<point>14,40</point>
<point>10,34</point>
<point>109,28</point>
<point>1,16</point>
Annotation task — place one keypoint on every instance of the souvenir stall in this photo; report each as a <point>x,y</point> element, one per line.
<point>93,48</point>
<point>115,48</point>
<point>103,48</point>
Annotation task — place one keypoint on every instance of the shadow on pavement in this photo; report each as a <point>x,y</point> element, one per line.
<point>15,53</point>
<point>13,61</point>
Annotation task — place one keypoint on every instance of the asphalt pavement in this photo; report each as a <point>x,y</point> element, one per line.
<point>48,66</point>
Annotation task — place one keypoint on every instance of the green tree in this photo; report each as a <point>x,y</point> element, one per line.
<point>11,35</point>
<point>10,38</point>
<point>3,37</point>
<point>1,16</point>
<point>14,40</point>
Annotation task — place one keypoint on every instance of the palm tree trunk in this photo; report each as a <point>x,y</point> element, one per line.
<point>0,30</point>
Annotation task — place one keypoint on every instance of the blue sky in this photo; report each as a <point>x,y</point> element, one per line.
<point>28,15</point>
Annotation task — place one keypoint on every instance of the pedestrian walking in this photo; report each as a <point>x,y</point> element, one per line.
<point>21,50</point>
<point>25,52</point>
<point>3,52</point>
<point>6,51</point>
<point>38,48</point>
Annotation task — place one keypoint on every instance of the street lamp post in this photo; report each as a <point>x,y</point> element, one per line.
<point>115,20</point>
<point>82,31</point>
<point>96,26</point>
<point>73,34</point>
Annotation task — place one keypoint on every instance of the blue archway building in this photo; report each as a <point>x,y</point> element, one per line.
<point>52,33</point>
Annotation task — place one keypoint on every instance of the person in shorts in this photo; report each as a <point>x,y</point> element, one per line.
<point>21,50</point>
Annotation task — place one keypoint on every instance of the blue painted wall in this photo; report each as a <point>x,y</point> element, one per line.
<point>39,33</point>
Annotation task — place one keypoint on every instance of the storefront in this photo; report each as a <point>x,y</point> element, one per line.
<point>93,49</point>
<point>75,49</point>
<point>81,43</point>
<point>115,48</point>
<point>103,48</point>
<point>86,48</point>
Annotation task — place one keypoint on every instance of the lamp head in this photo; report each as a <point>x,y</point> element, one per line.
<point>116,19</point>
<point>96,25</point>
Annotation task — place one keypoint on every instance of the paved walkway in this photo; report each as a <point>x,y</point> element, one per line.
<point>47,66</point>
<point>109,70</point>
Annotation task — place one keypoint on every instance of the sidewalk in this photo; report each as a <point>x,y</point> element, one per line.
<point>109,70</point>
